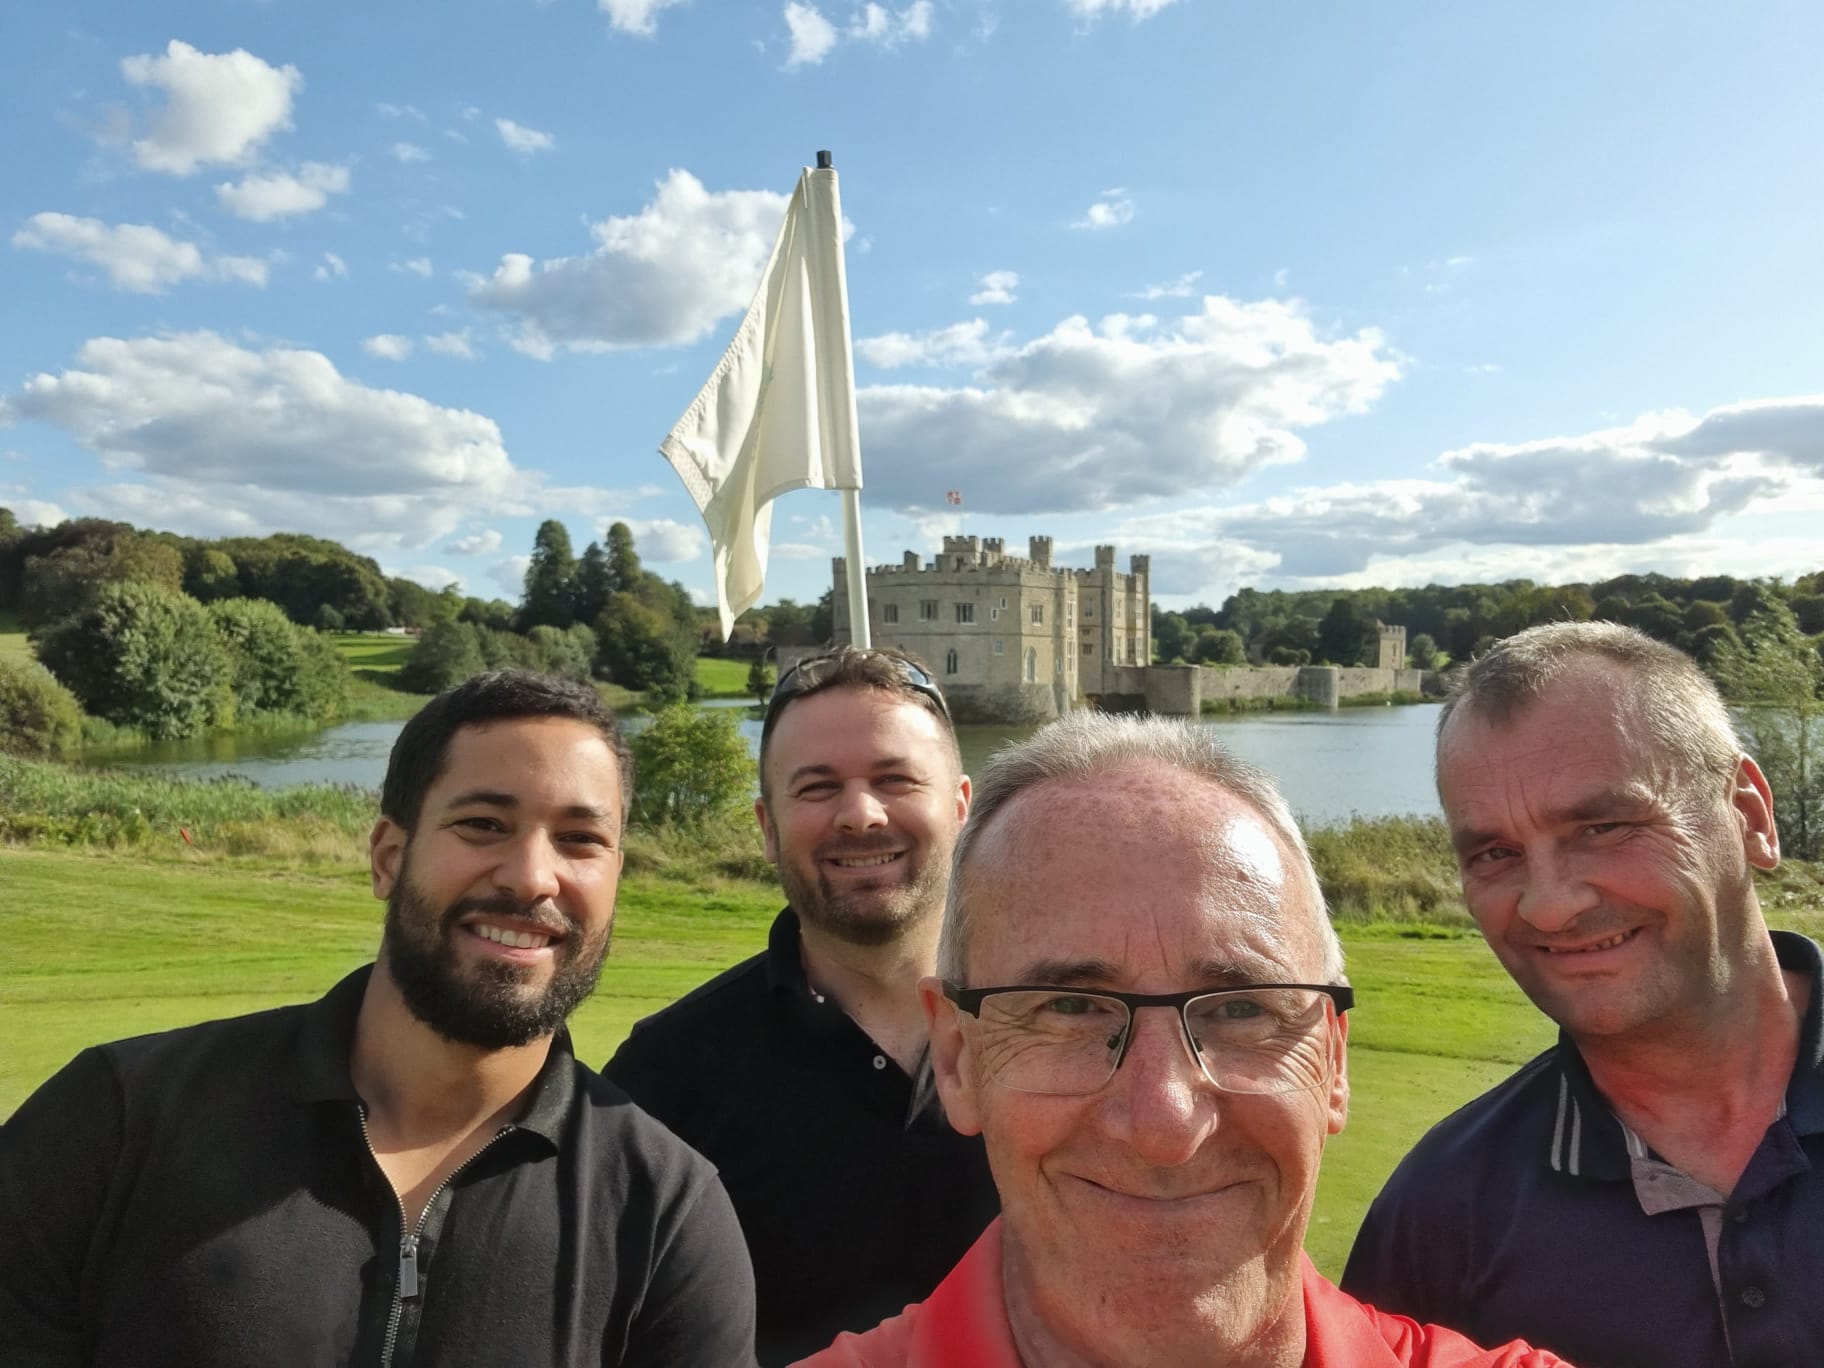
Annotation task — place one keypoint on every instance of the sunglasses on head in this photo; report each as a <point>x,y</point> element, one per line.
<point>811,673</point>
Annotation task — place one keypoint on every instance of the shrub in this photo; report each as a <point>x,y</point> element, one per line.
<point>145,656</point>
<point>38,716</point>
<point>690,767</point>
<point>446,654</point>
<point>279,667</point>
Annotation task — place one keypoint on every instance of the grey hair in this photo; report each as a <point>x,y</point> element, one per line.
<point>1681,708</point>
<point>1085,745</point>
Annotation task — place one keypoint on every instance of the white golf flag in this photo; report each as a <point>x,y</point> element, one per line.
<point>778,411</point>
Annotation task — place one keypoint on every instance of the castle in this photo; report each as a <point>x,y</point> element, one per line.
<point>1016,640</point>
<point>1012,639</point>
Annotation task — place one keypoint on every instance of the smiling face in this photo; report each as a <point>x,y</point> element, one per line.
<point>1616,889</point>
<point>1157,1202</point>
<point>863,805</point>
<point>501,900</point>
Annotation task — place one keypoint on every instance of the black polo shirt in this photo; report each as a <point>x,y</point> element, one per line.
<point>1533,1213</point>
<point>206,1197</point>
<point>854,1192</point>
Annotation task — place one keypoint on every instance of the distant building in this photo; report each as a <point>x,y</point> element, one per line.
<point>1012,638</point>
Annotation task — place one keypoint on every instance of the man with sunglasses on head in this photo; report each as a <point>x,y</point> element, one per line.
<point>1140,1010</point>
<point>802,1073</point>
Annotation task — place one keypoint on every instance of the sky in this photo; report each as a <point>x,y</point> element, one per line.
<point>1290,296</point>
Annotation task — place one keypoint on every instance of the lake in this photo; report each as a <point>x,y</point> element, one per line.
<point>1373,762</point>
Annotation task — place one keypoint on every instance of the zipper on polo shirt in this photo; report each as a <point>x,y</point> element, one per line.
<point>406,1284</point>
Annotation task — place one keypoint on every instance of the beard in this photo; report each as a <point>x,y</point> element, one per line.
<point>869,916</point>
<point>491,1006</point>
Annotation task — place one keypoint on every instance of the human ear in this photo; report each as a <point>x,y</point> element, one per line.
<point>952,1069</point>
<point>1339,1076</point>
<point>1752,799</point>
<point>385,844</point>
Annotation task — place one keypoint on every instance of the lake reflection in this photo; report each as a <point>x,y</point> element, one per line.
<point>1331,766</point>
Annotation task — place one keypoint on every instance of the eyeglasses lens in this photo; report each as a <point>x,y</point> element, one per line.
<point>1270,1040</point>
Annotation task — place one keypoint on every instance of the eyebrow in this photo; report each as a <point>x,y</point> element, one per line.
<point>1228,973</point>
<point>1623,802</point>
<point>496,799</point>
<point>890,762</point>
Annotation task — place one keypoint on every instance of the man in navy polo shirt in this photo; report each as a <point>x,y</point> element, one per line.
<point>1649,1193</point>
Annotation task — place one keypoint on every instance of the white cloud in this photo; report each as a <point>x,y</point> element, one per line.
<point>634,16</point>
<point>418,266</point>
<point>523,140</point>
<point>30,512</point>
<point>1182,288</point>
<point>331,267</point>
<point>960,344</point>
<point>407,153</point>
<point>1111,209</point>
<point>1132,408</point>
<point>455,344</point>
<point>387,346</point>
<point>268,195</point>
<point>884,28</point>
<point>663,276</point>
<point>663,540</point>
<point>1135,9</point>
<point>430,576</point>
<point>996,287</point>
<point>1557,508</point>
<point>483,543</point>
<point>812,35</point>
<point>213,438</point>
<point>398,111</point>
<point>219,107</point>
<point>135,256</point>
<point>510,575</point>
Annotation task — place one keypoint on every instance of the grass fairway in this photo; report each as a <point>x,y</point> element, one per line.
<point>12,638</point>
<point>723,678</point>
<point>107,944</point>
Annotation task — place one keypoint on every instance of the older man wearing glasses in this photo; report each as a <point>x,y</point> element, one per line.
<point>802,1073</point>
<point>1141,1011</point>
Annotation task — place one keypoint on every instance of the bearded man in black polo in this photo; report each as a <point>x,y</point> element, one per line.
<point>802,1072</point>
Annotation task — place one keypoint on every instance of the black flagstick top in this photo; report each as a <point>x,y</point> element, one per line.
<point>823,161</point>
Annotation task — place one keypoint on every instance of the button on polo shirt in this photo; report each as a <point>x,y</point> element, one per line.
<point>855,1194</point>
<point>1525,1214</point>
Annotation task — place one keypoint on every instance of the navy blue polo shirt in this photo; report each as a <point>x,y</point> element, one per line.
<point>1526,1215</point>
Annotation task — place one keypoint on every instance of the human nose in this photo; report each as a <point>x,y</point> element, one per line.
<point>860,809</point>
<point>1555,893</point>
<point>1160,1103</point>
<point>528,869</point>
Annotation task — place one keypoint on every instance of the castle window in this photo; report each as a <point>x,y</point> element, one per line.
<point>965,612</point>
<point>1089,611</point>
<point>997,645</point>
<point>1038,613</point>
<point>949,662</point>
<point>1089,648</point>
<point>889,612</point>
<point>927,610</point>
<point>994,615</point>
<point>1133,653</point>
<point>1003,602</point>
<point>1032,666</point>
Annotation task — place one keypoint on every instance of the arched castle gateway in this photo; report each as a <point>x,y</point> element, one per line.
<point>1014,638</point>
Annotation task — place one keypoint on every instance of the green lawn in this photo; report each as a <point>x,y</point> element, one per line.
<point>723,678</point>
<point>12,638</point>
<point>140,944</point>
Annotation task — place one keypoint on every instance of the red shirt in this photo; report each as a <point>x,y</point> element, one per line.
<point>963,1324</point>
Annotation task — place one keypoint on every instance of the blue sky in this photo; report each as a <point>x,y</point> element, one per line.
<point>1283,295</point>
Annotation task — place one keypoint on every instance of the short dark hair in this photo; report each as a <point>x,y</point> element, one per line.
<point>1676,700</point>
<point>497,696</point>
<point>853,667</point>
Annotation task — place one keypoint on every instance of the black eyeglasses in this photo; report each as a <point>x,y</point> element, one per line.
<point>1068,1042</point>
<point>811,673</point>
